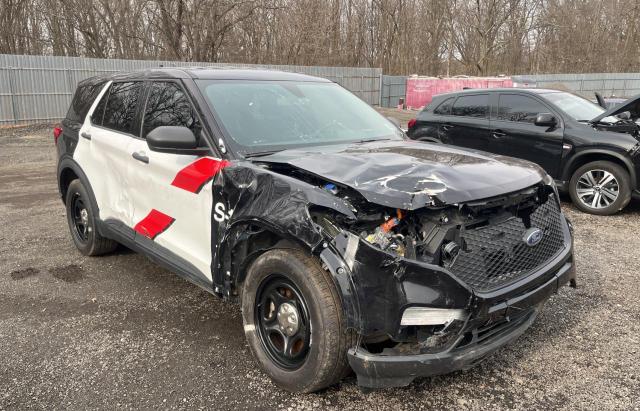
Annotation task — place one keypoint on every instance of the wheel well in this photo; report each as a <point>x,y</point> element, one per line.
<point>429,139</point>
<point>251,241</point>
<point>588,158</point>
<point>66,177</point>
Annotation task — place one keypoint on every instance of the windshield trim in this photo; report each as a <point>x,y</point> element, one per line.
<point>239,150</point>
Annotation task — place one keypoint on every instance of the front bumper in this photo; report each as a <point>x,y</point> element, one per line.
<point>381,371</point>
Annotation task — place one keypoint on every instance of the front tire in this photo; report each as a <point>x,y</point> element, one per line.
<point>82,222</point>
<point>294,321</point>
<point>600,187</point>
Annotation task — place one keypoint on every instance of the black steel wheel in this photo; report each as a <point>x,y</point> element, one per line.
<point>80,215</point>
<point>282,318</point>
<point>81,218</point>
<point>294,321</point>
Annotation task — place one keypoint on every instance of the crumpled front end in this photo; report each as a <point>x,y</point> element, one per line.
<point>427,290</point>
<point>438,290</point>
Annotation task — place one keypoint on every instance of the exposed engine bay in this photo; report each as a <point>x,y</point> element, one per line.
<point>434,235</point>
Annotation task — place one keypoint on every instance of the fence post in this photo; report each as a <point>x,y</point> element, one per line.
<point>12,90</point>
<point>381,86</point>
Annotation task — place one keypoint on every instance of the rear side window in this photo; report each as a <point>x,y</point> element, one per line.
<point>82,101</point>
<point>444,109</point>
<point>121,105</point>
<point>519,108</point>
<point>471,106</point>
<point>168,105</point>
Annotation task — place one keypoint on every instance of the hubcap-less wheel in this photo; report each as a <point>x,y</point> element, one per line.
<point>80,218</point>
<point>597,188</point>
<point>283,323</point>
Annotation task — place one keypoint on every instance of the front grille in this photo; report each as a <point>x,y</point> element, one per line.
<point>496,254</point>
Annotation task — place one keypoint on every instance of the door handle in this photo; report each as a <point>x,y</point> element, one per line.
<point>498,134</point>
<point>86,135</point>
<point>141,156</point>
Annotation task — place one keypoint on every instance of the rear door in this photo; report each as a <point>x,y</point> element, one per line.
<point>515,134</point>
<point>102,150</point>
<point>172,193</point>
<point>429,123</point>
<point>468,124</point>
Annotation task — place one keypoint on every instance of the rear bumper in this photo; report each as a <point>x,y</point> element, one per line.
<point>381,371</point>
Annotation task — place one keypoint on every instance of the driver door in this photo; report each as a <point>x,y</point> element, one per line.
<point>172,197</point>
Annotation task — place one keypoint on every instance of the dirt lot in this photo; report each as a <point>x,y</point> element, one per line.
<point>119,331</point>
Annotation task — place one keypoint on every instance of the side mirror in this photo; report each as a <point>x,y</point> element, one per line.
<point>172,139</point>
<point>601,101</point>
<point>546,120</point>
<point>625,115</point>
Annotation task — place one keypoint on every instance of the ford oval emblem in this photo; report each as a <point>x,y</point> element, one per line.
<point>532,236</point>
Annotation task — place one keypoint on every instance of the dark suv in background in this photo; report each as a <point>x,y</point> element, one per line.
<point>591,152</point>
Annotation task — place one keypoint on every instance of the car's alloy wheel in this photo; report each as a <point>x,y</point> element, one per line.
<point>282,317</point>
<point>598,189</point>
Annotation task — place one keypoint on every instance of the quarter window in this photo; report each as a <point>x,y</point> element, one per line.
<point>523,109</point>
<point>120,110</point>
<point>168,105</point>
<point>82,101</point>
<point>471,106</point>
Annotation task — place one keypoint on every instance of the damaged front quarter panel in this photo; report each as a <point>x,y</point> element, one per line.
<point>257,209</point>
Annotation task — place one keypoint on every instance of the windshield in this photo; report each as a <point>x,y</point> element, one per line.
<point>261,116</point>
<point>577,107</point>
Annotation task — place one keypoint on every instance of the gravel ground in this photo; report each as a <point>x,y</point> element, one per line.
<point>119,331</point>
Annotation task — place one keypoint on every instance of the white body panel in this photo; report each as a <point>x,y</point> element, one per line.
<point>104,160</point>
<point>127,190</point>
<point>190,234</point>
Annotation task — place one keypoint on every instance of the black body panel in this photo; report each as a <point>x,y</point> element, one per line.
<point>410,175</point>
<point>556,149</point>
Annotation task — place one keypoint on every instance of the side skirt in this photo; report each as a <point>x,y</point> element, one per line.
<point>126,236</point>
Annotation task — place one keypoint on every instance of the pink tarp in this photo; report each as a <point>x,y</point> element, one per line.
<point>420,91</point>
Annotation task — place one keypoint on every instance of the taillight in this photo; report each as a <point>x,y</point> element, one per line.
<point>411,123</point>
<point>56,133</point>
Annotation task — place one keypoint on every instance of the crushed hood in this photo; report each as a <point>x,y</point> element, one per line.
<point>410,174</point>
<point>628,105</point>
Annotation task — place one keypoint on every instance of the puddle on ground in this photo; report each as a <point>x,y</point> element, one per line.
<point>69,273</point>
<point>24,273</point>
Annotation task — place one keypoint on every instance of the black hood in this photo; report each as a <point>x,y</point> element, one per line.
<point>630,105</point>
<point>411,174</point>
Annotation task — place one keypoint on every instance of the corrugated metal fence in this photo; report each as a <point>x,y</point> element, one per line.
<point>36,89</point>
<point>607,84</point>
<point>393,89</point>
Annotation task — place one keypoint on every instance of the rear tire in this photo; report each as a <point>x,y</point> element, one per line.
<point>82,222</point>
<point>600,187</point>
<point>322,339</point>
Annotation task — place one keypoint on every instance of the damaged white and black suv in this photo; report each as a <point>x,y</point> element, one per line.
<point>348,246</point>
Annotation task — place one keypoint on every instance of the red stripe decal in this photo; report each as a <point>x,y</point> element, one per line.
<point>154,224</point>
<point>194,176</point>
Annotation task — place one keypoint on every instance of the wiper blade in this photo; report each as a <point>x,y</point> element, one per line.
<point>261,153</point>
<point>369,140</point>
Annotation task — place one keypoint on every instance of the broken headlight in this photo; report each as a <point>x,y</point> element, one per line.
<point>431,316</point>
<point>435,328</point>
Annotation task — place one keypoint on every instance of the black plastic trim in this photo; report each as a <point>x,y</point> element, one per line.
<point>125,235</point>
